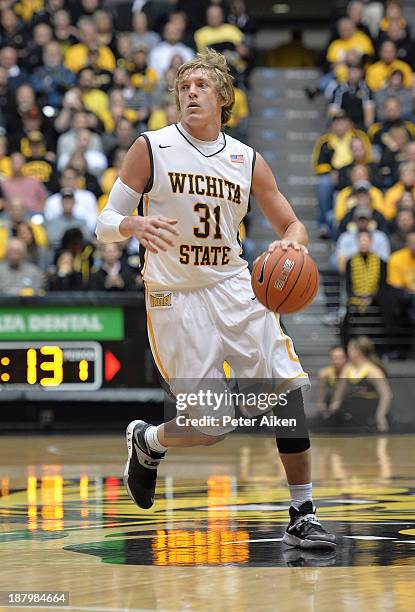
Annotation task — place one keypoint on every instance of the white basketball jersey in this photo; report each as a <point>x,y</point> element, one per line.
<point>209,197</point>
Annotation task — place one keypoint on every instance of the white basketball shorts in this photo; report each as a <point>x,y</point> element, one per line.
<point>193,332</point>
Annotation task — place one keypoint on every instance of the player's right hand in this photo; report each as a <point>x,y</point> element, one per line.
<point>154,233</point>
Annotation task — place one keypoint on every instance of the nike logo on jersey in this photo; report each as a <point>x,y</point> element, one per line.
<point>165,146</point>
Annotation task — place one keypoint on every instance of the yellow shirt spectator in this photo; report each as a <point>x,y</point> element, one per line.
<point>345,202</point>
<point>392,197</point>
<point>97,102</point>
<point>379,73</point>
<point>146,81</point>
<point>5,167</point>
<point>401,269</point>
<point>338,49</point>
<point>76,58</point>
<point>226,33</point>
<point>39,234</point>
<point>240,109</point>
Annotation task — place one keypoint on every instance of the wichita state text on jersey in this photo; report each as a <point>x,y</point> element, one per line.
<point>209,196</point>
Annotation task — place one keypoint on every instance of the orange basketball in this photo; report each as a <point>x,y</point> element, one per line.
<point>285,281</point>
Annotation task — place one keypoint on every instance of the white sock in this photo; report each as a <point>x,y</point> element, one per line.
<point>300,494</point>
<point>152,440</point>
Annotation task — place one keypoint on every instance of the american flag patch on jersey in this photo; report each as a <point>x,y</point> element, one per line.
<point>238,159</point>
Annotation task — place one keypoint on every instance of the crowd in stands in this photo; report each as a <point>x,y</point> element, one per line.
<point>365,167</point>
<point>79,81</point>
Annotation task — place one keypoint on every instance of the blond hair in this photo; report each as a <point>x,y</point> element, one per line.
<point>215,64</point>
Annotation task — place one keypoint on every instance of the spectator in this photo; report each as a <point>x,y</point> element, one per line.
<point>349,38</point>
<point>141,35</point>
<point>401,270</point>
<point>361,155</point>
<point>28,118</point>
<point>65,277</point>
<point>36,254</point>
<point>393,119</point>
<point>400,304</point>
<point>348,243</point>
<point>365,277</point>
<point>42,35</point>
<point>76,56</point>
<point>328,379</point>
<point>85,207</point>
<point>393,14</point>
<point>86,180</point>
<point>406,183</point>
<point>161,55</point>
<point>399,36</point>
<point>393,150</point>
<point>404,225</point>
<point>103,79</point>
<point>6,170</point>
<point>63,30</point>
<point>166,115</point>
<point>239,17</point>
<point>57,226</point>
<point>8,60</point>
<point>123,137</point>
<point>16,213</point>
<point>113,274</point>
<point>52,80</point>
<point>96,161</point>
<point>379,73</point>
<point>105,30</point>
<point>355,99</point>
<point>26,188</point>
<point>355,12</point>
<point>359,182</point>
<point>143,77</point>
<point>331,153</point>
<point>394,88</point>
<point>363,395</point>
<point>12,31</point>
<point>110,175</point>
<point>81,250</point>
<point>6,98</point>
<point>217,34</point>
<point>93,99</point>
<point>364,194</point>
<point>67,142</point>
<point>17,275</point>
<point>38,163</point>
<point>237,125</point>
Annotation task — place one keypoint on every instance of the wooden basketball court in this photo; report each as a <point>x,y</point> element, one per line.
<point>212,540</point>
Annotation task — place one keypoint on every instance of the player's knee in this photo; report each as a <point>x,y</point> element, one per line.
<point>293,445</point>
<point>296,439</point>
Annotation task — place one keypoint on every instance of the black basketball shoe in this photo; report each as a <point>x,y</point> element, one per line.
<point>140,472</point>
<point>305,531</point>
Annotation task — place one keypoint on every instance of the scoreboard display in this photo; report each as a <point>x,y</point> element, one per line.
<point>64,365</point>
<point>83,343</point>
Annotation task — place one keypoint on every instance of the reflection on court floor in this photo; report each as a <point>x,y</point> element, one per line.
<point>222,507</point>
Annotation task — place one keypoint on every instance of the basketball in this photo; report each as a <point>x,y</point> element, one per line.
<point>285,281</point>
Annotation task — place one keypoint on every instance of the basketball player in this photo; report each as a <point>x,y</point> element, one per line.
<point>192,184</point>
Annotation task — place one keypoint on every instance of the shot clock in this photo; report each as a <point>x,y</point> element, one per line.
<point>48,365</point>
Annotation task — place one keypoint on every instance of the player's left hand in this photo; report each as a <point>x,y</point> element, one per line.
<point>286,244</point>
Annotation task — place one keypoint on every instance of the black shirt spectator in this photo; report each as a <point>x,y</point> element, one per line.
<point>114,274</point>
<point>355,99</point>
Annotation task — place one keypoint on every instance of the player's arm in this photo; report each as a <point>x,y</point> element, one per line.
<point>277,209</point>
<point>117,222</point>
